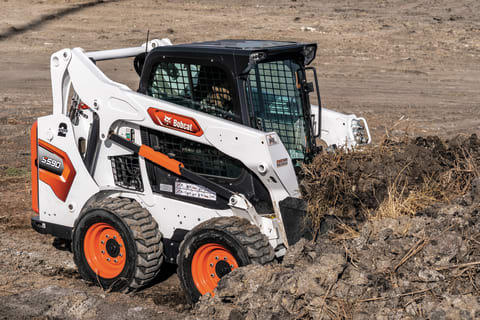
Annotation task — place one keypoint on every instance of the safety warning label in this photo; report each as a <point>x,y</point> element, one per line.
<point>194,191</point>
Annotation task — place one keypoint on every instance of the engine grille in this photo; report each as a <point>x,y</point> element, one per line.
<point>126,172</point>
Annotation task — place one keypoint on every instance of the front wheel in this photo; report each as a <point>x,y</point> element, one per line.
<point>117,245</point>
<point>215,248</point>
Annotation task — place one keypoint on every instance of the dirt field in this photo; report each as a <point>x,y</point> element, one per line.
<point>414,60</point>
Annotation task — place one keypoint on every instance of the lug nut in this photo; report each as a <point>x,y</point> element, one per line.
<point>107,236</point>
<point>231,266</point>
<point>108,259</point>
<point>115,260</point>
<point>121,255</point>
<point>212,275</point>
<point>102,242</point>
<point>211,264</point>
<point>114,237</point>
<point>225,258</point>
<point>103,251</point>
<point>216,258</point>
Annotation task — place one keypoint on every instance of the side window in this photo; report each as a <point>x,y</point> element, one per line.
<point>200,87</point>
<point>170,82</point>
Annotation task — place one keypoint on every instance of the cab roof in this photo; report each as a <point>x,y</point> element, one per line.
<point>237,46</point>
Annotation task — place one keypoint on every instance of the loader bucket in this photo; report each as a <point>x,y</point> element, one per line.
<point>295,221</point>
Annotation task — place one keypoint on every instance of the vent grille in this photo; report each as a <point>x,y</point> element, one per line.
<point>126,172</point>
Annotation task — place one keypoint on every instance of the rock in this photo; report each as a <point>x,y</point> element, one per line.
<point>427,275</point>
<point>310,29</point>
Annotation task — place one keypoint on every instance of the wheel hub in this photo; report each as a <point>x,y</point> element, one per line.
<point>113,249</point>
<point>104,250</point>
<point>222,268</point>
<point>210,263</point>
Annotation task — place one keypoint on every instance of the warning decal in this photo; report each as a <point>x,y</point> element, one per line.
<point>194,191</point>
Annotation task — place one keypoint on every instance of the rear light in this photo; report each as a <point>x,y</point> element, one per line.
<point>83,106</point>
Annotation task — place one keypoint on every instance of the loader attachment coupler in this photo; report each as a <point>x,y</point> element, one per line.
<point>171,165</point>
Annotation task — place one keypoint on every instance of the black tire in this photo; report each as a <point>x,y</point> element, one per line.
<point>242,239</point>
<point>141,238</point>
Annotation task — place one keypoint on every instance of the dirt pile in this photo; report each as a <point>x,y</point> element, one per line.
<point>426,265</point>
<point>398,176</point>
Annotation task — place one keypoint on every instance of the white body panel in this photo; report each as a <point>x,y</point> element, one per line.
<point>340,129</point>
<point>51,208</point>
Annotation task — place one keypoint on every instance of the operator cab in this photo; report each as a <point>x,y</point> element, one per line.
<point>257,83</point>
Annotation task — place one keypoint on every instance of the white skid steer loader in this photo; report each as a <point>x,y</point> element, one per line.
<point>197,167</point>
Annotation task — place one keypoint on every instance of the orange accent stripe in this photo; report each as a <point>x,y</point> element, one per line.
<point>59,184</point>
<point>33,165</point>
<point>160,159</point>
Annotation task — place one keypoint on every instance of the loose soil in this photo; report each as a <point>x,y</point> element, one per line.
<point>414,65</point>
<point>420,267</point>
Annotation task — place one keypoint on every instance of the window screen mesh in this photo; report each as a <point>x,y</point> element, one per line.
<point>195,156</point>
<point>200,87</point>
<point>277,103</point>
<point>126,172</point>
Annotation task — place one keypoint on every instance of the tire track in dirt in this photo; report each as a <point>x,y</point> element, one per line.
<point>38,22</point>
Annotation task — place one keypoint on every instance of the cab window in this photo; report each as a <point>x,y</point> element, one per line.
<point>200,87</point>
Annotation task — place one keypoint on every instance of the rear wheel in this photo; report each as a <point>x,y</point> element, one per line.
<point>117,245</point>
<point>215,248</point>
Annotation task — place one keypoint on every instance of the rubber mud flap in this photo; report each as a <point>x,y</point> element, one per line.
<point>295,221</point>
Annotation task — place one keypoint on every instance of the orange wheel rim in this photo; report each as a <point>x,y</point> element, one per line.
<point>104,250</point>
<point>211,262</point>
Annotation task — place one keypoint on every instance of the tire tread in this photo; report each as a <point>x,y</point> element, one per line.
<point>145,233</point>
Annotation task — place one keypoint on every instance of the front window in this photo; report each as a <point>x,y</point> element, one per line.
<point>277,103</point>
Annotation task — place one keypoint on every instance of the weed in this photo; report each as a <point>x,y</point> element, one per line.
<point>16,172</point>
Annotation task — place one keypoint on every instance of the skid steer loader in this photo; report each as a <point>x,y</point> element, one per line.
<point>198,167</point>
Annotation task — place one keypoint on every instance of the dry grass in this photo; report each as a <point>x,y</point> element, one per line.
<point>397,204</point>
<point>451,184</point>
<point>398,177</point>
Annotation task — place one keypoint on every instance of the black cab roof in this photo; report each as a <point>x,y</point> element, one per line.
<point>236,47</point>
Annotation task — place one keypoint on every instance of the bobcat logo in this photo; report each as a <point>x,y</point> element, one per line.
<point>167,120</point>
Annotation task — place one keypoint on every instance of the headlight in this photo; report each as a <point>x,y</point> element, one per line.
<point>309,53</point>
<point>359,132</point>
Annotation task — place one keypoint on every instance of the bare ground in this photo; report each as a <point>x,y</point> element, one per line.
<point>384,60</point>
